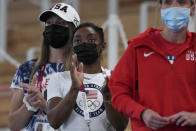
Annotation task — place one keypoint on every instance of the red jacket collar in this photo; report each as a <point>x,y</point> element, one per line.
<point>146,39</point>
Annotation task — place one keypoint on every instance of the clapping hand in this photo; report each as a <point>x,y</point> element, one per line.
<point>34,95</point>
<point>77,74</point>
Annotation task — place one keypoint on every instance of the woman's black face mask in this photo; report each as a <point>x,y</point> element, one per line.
<point>86,53</point>
<point>55,35</point>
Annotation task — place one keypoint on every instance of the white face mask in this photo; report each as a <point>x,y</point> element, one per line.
<point>175,18</point>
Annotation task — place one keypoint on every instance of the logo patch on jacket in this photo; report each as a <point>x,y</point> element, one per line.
<point>148,54</point>
<point>171,58</point>
<point>191,55</point>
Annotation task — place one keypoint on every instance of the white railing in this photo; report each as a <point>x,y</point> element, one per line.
<point>9,59</point>
<point>4,129</point>
<point>3,35</point>
<point>31,53</point>
<point>114,28</point>
<point>3,26</point>
<point>144,14</point>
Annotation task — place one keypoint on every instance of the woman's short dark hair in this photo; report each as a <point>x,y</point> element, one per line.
<point>98,29</point>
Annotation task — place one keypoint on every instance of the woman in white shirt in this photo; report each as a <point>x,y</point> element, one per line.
<point>79,99</point>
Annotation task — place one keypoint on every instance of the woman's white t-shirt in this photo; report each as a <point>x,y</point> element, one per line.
<point>59,86</point>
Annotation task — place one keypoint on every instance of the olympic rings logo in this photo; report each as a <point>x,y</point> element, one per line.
<point>92,105</point>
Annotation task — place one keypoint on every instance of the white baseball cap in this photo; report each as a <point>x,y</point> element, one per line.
<point>64,11</point>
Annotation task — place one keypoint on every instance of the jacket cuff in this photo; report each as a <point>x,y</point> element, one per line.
<point>138,113</point>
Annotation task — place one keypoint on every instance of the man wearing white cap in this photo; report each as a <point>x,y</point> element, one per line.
<point>29,85</point>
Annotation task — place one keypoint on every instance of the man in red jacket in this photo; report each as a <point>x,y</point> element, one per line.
<point>154,83</point>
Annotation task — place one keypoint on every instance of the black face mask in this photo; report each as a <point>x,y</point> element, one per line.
<point>56,35</point>
<point>86,53</point>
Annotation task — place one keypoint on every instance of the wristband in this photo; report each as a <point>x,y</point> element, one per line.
<point>28,106</point>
